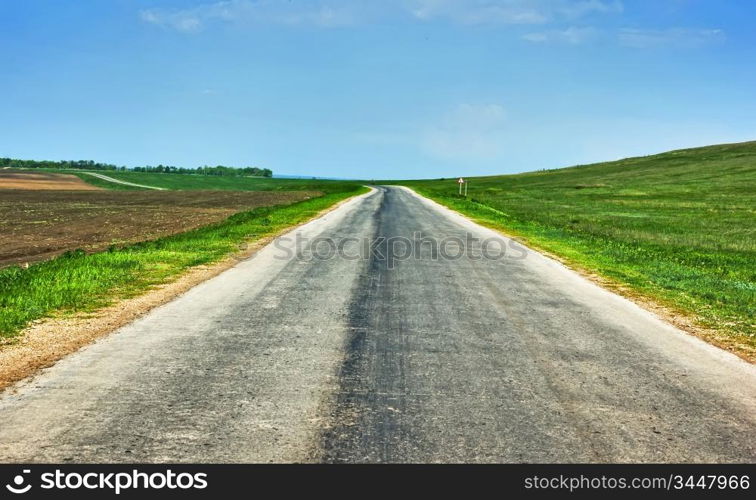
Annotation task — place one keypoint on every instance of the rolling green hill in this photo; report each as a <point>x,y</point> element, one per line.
<point>678,227</point>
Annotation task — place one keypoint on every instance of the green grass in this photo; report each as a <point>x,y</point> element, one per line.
<point>78,282</point>
<point>678,227</point>
<point>211,182</point>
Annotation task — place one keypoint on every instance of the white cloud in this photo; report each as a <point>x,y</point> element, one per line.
<point>574,10</point>
<point>318,13</point>
<point>673,37</point>
<point>334,13</point>
<point>340,13</point>
<point>509,11</point>
<point>571,36</point>
<point>478,12</point>
<point>469,132</point>
<point>184,21</point>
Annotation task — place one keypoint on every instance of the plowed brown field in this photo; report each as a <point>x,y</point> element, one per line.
<point>39,224</point>
<point>42,181</point>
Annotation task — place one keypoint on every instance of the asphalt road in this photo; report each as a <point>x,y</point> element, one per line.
<point>376,359</point>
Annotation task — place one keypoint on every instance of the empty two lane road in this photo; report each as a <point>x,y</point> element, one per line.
<point>439,355</point>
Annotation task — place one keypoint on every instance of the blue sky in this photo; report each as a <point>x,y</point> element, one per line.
<point>373,89</point>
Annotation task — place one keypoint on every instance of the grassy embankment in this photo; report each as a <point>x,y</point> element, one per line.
<point>76,282</point>
<point>679,227</point>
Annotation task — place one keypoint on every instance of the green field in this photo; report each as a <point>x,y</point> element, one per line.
<point>213,182</point>
<point>679,227</point>
<point>77,281</point>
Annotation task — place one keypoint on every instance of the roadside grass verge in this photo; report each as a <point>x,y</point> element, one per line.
<point>80,282</point>
<point>677,228</point>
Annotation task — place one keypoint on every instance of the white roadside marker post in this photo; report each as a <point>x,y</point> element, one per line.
<point>460,182</point>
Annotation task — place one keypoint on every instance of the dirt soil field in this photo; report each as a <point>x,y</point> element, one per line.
<point>38,224</point>
<point>43,181</point>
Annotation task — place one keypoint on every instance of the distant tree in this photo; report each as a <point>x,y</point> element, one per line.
<point>219,170</point>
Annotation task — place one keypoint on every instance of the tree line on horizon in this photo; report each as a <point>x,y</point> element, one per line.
<point>219,170</point>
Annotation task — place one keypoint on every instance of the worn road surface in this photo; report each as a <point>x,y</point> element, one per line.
<point>430,358</point>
